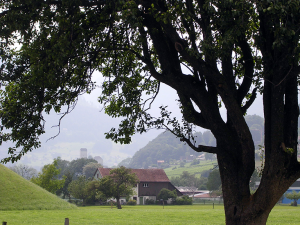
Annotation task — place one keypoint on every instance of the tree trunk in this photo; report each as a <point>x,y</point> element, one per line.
<point>281,168</point>
<point>295,202</point>
<point>240,206</point>
<point>119,204</point>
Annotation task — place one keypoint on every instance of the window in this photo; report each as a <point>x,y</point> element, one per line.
<point>145,185</point>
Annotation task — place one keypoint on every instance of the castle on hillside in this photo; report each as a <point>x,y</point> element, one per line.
<point>83,154</point>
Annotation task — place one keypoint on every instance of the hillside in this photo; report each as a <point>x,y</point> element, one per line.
<point>169,148</point>
<point>166,147</point>
<point>17,193</point>
<point>176,171</point>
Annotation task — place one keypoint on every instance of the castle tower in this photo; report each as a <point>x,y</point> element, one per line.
<point>83,153</point>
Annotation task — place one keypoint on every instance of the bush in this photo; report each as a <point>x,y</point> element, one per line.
<point>131,202</point>
<point>184,200</point>
<point>195,162</point>
<point>202,187</point>
<point>150,202</point>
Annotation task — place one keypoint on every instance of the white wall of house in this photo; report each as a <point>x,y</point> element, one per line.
<point>97,175</point>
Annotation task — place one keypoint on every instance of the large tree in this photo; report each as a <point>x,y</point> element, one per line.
<point>230,49</point>
<point>79,188</point>
<point>293,196</point>
<point>48,178</point>
<point>119,183</point>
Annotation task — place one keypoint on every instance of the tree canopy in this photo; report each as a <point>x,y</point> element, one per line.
<point>213,180</point>
<point>212,53</point>
<point>79,188</point>
<point>165,194</point>
<point>118,184</point>
<point>47,179</point>
<point>293,196</point>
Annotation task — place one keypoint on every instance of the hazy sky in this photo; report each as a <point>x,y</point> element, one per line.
<point>85,128</point>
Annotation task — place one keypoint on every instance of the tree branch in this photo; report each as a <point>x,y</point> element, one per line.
<point>249,70</point>
<point>200,148</point>
<point>189,112</point>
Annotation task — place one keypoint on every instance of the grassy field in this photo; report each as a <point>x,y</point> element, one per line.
<point>194,169</point>
<point>19,193</point>
<point>195,214</point>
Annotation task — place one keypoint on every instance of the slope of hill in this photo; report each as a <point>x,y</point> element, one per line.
<point>167,147</point>
<point>164,147</point>
<point>176,171</point>
<point>17,193</point>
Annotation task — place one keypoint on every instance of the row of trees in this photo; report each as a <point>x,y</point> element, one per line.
<point>57,176</point>
<point>119,183</point>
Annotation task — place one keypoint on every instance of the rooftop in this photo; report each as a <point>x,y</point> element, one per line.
<point>144,175</point>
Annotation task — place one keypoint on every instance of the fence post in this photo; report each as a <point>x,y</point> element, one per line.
<point>213,205</point>
<point>66,221</point>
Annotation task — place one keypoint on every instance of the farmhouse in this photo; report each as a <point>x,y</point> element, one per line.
<point>151,181</point>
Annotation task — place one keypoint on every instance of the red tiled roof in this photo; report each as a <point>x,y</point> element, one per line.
<point>144,175</point>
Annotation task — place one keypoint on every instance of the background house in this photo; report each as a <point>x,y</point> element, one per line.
<point>151,181</point>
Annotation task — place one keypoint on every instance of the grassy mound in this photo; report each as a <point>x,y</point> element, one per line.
<point>17,193</point>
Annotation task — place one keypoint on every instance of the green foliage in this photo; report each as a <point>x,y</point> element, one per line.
<point>64,190</point>
<point>293,196</point>
<point>47,179</point>
<point>63,165</point>
<point>209,156</point>
<point>150,202</point>
<point>188,180</point>
<point>214,180</point>
<point>165,194</point>
<point>90,168</point>
<point>195,162</point>
<point>79,188</point>
<point>76,166</point>
<point>131,202</point>
<point>119,183</point>
<point>17,193</point>
<point>184,200</point>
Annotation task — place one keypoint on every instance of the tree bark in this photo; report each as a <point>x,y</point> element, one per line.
<point>119,204</point>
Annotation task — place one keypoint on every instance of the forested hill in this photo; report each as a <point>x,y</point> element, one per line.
<point>167,147</point>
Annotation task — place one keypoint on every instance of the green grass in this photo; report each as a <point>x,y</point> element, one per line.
<point>194,169</point>
<point>17,193</point>
<point>195,214</point>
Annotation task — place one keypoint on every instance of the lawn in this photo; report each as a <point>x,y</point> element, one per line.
<point>195,214</point>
